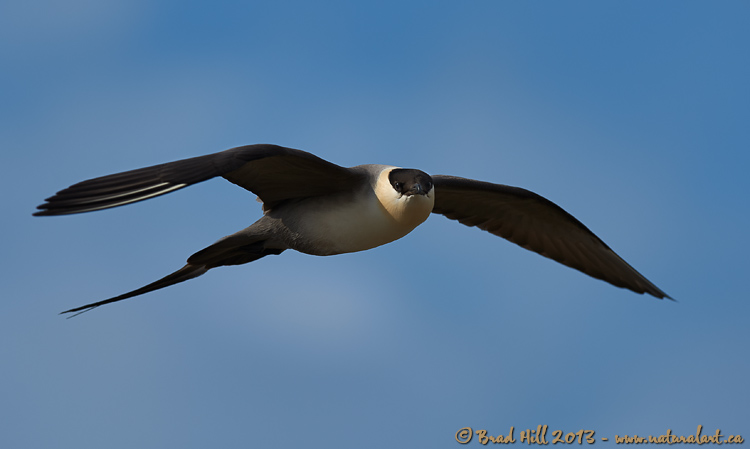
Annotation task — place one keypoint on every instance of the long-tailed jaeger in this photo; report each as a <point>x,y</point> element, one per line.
<point>316,207</point>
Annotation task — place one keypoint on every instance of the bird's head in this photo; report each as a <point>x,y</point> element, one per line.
<point>407,194</point>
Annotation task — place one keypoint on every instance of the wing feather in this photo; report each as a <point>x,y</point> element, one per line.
<point>537,224</point>
<point>272,172</point>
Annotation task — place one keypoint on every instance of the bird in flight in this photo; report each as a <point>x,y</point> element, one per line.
<point>319,208</point>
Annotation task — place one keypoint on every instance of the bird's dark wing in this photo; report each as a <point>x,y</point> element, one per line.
<point>272,172</point>
<point>536,224</point>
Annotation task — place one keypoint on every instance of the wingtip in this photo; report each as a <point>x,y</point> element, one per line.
<point>46,211</point>
<point>658,294</point>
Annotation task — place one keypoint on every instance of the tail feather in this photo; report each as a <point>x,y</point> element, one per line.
<point>185,273</point>
<point>239,248</point>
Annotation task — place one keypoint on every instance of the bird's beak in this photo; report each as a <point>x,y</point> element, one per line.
<point>416,189</point>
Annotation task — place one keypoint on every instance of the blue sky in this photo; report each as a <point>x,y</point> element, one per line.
<point>633,116</point>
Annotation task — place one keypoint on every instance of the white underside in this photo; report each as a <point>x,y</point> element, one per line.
<point>350,223</point>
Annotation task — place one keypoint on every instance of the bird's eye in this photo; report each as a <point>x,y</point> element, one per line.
<point>399,186</point>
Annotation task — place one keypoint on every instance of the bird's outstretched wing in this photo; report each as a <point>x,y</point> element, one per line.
<point>272,172</point>
<point>536,224</point>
